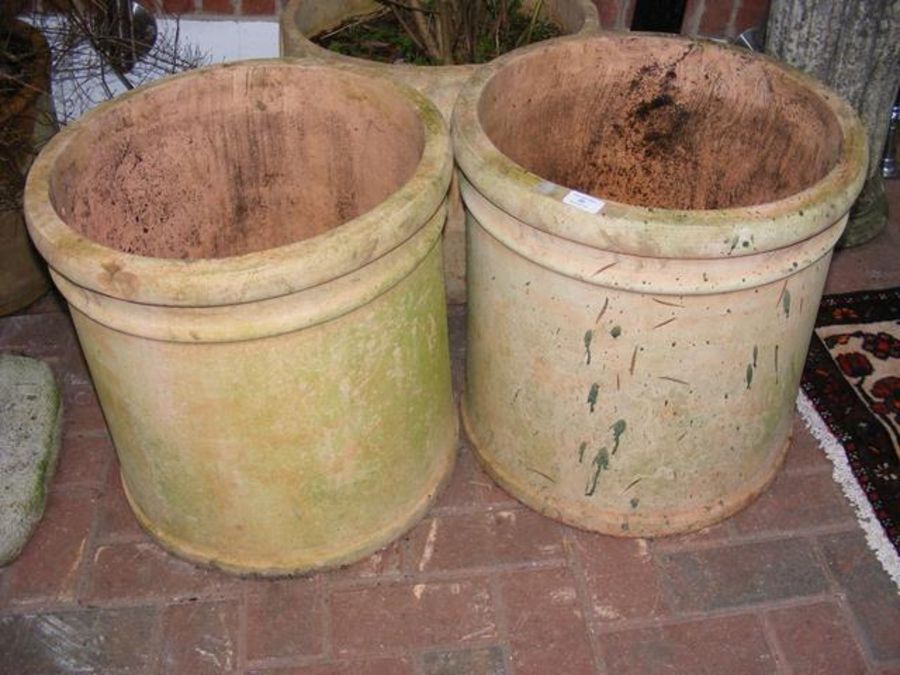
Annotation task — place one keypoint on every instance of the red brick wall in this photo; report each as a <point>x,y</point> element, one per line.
<point>209,8</point>
<point>224,7</point>
<point>701,17</point>
<point>615,14</point>
<point>723,17</point>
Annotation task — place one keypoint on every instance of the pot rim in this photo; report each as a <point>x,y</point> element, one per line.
<point>259,275</point>
<point>651,231</point>
<point>289,31</point>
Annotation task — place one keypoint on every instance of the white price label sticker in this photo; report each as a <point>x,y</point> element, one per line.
<point>584,202</point>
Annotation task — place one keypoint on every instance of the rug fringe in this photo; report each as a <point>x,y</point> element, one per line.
<point>843,476</point>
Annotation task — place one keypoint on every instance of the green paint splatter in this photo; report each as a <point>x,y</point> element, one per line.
<point>786,302</point>
<point>749,374</point>
<point>601,462</point>
<point>616,331</point>
<point>588,336</point>
<point>581,449</point>
<point>618,429</point>
<point>634,502</point>
<point>755,354</point>
<point>592,395</point>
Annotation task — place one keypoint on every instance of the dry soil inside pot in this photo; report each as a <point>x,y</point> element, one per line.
<point>660,123</point>
<point>236,160</point>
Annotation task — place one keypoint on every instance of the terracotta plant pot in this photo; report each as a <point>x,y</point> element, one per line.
<point>251,255</point>
<point>635,344</point>
<point>303,19</point>
<point>24,125</point>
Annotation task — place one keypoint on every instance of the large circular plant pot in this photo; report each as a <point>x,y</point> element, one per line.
<point>634,352</point>
<point>25,122</point>
<point>251,255</point>
<point>303,19</point>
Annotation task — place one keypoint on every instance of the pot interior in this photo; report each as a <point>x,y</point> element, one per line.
<point>236,160</point>
<point>659,122</point>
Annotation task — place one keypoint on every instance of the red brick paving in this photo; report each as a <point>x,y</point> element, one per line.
<point>51,566</point>
<point>201,637</point>
<point>545,620</point>
<point>816,639</point>
<point>871,597</point>
<point>115,521</point>
<point>788,586</point>
<point>621,579</point>
<point>135,571</point>
<point>412,615</point>
<point>85,461</point>
<point>285,619</point>
<point>735,644</point>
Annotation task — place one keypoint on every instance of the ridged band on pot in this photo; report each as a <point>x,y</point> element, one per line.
<point>25,122</point>
<point>635,344</point>
<point>270,352</point>
<point>304,19</point>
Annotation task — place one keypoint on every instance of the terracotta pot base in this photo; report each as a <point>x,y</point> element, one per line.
<point>615,522</point>
<point>348,553</point>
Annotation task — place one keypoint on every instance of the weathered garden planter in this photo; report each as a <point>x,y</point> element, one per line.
<point>634,353</point>
<point>24,125</point>
<point>251,254</point>
<point>303,19</point>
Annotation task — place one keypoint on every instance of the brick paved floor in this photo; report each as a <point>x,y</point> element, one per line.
<point>787,586</point>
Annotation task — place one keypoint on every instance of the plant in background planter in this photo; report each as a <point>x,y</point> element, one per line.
<point>24,124</point>
<point>305,19</point>
<point>102,48</point>
<point>440,32</point>
<point>91,50</point>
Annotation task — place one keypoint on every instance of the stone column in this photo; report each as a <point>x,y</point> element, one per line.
<point>854,47</point>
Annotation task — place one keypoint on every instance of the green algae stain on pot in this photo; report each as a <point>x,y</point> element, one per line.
<point>616,331</point>
<point>279,396</point>
<point>588,337</point>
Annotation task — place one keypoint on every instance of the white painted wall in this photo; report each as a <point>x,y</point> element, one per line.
<point>227,40</point>
<point>219,40</point>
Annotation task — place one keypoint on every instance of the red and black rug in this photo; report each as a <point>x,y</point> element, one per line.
<point>850,399</point>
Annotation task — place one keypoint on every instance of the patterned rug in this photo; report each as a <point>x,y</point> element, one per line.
<point>850,400</point>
